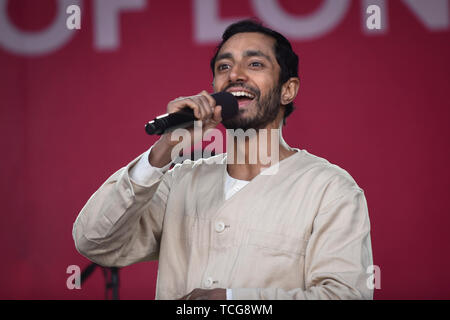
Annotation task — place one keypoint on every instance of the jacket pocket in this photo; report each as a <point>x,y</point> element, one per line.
<point>270,260</point>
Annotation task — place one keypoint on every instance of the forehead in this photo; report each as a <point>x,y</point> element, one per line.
<point>241,42</point>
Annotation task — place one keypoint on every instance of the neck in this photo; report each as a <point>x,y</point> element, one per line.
<point>252,151</point>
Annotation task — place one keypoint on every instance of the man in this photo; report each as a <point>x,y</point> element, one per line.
<point>224,229</point>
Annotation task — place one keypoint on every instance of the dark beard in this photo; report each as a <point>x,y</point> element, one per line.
<point>267,111</point>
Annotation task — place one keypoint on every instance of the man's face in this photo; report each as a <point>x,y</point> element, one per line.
<point>247,67</point>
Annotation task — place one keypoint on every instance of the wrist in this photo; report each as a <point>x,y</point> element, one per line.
<point>161,153</point>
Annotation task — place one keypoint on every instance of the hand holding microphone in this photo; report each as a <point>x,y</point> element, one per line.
<point>181,113</point>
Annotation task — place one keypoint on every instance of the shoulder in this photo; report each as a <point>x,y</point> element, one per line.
<point>325,175</point>
<point>329,184</point>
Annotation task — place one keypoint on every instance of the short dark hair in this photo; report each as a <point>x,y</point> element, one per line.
<point>286,57</point>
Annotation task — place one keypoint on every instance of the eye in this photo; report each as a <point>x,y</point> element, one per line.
<point>256,64</point>
<point>223,66</point>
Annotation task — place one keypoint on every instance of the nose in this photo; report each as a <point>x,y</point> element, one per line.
<point>237,74</point>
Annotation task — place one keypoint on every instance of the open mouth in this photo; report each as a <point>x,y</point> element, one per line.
<point>243,97</point>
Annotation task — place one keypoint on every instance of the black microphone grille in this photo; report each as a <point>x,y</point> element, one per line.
<point>229,103</point>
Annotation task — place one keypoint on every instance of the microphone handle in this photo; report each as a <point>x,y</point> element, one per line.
<point>183,119</point>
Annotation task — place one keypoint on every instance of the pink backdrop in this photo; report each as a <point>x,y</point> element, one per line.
<point>375,104</point>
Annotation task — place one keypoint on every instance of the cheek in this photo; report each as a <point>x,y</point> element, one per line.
<point>265,82</point>
<point>266,90</point>
<point>218,83</point>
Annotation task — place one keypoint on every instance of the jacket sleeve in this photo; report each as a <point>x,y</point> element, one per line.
<point>122,221</point>
<point>337,255</point>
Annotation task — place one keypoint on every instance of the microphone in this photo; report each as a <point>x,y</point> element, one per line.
<point>185,118</point>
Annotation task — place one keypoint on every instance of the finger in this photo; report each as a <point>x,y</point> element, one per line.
<point>211,100</point>
<point>207,109</point>
<point>187,297</point>
<point>179,104</point>
<point>195,294</point>
<point>210,103</point>
<point>204,104</point>
<point>200,110</point>
<point>217,116</point>
<point>189,102</point>
<point>179,98</point>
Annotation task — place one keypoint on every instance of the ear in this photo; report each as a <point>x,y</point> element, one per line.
<point>289,90</point>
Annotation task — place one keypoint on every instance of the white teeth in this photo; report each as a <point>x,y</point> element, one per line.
<point>242,94</point>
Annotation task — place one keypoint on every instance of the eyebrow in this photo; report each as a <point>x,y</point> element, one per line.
<point>248,53</point>
<point>226,55</point>
<point>256,53</point>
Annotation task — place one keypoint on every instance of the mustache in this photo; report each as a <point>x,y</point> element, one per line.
<point>255,91</point>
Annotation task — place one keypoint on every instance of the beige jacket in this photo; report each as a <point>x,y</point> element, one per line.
<point>303,233</point>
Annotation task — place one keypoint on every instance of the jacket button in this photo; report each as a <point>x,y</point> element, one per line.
<point>208,282</point>
<point>220,226</point>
